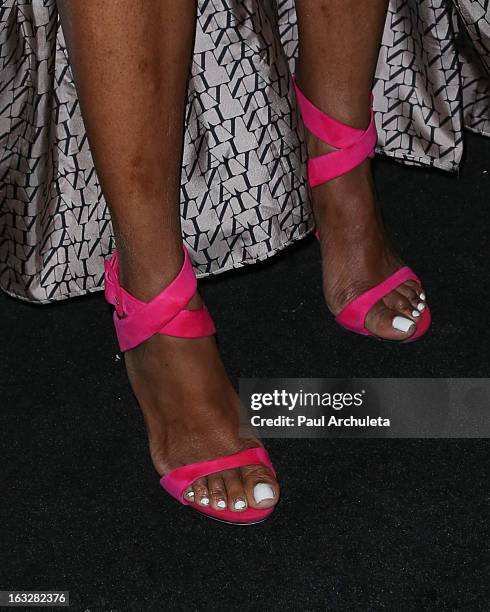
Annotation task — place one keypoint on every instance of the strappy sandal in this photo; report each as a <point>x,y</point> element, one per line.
<point>353,146</point>
<point>136,321</point>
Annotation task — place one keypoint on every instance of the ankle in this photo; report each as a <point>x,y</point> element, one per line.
<point>142,278</point>
<point>316,147</point>
<point>350,194</point>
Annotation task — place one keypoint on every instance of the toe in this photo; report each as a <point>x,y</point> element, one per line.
<point>407,307</point>
<point>410,294</point>
<point>396,301</point>
<point>388,323</point>
<point>418,290</point>
<point>189,494</point>
<point>235,492</point>
<point>260,486</point>
<point>217,491</point>
<point>201,492</point>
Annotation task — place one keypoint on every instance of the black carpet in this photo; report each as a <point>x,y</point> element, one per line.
<point>362,525</point>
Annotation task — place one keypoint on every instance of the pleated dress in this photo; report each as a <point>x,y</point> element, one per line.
<point>244,193</point>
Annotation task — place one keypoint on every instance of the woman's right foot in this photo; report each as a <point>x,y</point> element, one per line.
<point>191,412</point>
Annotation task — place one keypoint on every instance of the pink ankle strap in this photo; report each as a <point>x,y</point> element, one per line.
<point>353,145</point>
<point>136,321</point>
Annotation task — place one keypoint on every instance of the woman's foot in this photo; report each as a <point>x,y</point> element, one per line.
<point>356,254</point>
<point>191,412</point>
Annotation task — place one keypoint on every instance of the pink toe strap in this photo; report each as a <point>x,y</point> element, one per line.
<point>353,316</point>
<point>179,480</point>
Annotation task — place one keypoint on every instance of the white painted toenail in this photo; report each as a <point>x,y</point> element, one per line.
<point>422,296</point>
<point>204,501</point>
<point>420,306</point>
<point>402,324</point>
<point>240,504</point>
<point>263,491</point>
<point>221,503</point>
<point>415,313</point>
<point>189,494</point>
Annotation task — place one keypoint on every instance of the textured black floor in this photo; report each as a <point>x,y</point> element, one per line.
<point>363,524</point>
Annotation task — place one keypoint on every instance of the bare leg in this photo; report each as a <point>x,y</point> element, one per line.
<point>339,46</point>
<point>131,63</point>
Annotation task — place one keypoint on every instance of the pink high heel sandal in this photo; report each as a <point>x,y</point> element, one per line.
<point>353,146</point>
<point>135,322</point>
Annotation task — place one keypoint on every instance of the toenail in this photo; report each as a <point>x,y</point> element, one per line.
<point>221,503</point>
<point>190,494</point>
<point>240,504</point>
<point>262,492</point>
<point>402,324</point>
<point>205,501</point>
<point>420,306</point>
<point>422,296</point>
<point>415,313</point>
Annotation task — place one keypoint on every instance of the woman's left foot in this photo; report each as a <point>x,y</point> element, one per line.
<point>356,254</point>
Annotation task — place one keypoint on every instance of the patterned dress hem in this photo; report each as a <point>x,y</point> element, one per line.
<point>243,263</point>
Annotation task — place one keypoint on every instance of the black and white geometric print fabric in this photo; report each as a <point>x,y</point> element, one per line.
<point>244,194</point>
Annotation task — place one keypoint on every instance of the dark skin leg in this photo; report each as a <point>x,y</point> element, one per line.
<point>339,46</point>
<point>131,63</point>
